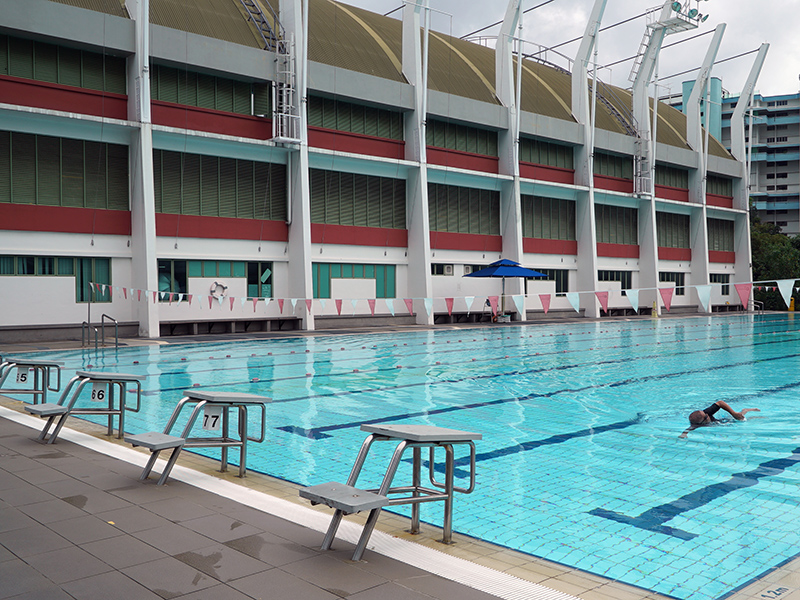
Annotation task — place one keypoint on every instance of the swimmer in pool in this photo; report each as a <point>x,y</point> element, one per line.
<point>701,418</point>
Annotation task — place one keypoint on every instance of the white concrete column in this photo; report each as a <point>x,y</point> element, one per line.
<point>583,109</point>
<point>417,217</point>
<point>294,18</point>
<point>144,266</point>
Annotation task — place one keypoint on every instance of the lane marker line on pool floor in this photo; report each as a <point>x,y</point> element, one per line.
<point>433,561</point>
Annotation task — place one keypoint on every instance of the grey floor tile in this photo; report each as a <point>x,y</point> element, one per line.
<point>221,527</point>
<point>273,584</point>
<point>67,564</point>
<point>16,463</point>
<point>218,592</point>
<point>6,554</point>
<point>222,563</point>
<point>173,539</point>
<point>50,593</point>
<point>13,518</point>
<point>132,519</point>
<point>51,511</point>
<point>24,494</point>
<point>108,586</point>
<point>169,577</point>
<point>271,549</point>
<point>43,474</point>
<point>438,587</point>
<point>380,565</point>
<point>333,575</point>
<point>87,528</point>
<point>178,510</point>
<point>123,551</point>
<point>8,481</point>
<point>141,492</point>
<point>300,535</point>
<point>32,540</point>
<point>84,496</point>
<point>391,590</point>
<point>19,578</point>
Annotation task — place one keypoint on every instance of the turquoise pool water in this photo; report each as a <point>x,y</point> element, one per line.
<point>580,461</point>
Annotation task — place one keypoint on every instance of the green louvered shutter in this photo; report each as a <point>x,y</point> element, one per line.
<point>116,75</point>
<point>224,100</point>
<point>96,175</point>
<point>20,58</point>
<point>227,187</point>
<point>72,175</point>
<point>168,84</point>
<point>206,91</point>
<point>191,184</point>
<point>93,71</point>
<point>346,198</point>
<point>317,184</point>
<point>48,168</point>
<point>278,194</point>
<point>314,111</point>
<point>171,182</point>
<point>262,191</point>
<point>209,204</point>
<point>241,98</point>
<point>118,183</point>
<point>45,66</point>
<point>158,180</point>
<point>262,99</point>
<point>3,55</point>
<point>187,88</point>
<point>360,200</point>
<point>244,189</point>
<point>332,197</point>
<point>5,164</point>
<point>23,152</point>
<point>69,67</point>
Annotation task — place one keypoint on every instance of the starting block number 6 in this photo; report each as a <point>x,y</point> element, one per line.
<point>99,392</point>
<point>212,415</point>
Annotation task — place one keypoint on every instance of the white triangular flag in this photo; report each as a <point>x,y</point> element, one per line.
<point>633,298</point>
<point>468,300</point>
<point>519,302</point>
<point>575,300</point>
<point>428,305</point>
<point>704,295</point>
<point>390,305</point>
<point>785,286</point>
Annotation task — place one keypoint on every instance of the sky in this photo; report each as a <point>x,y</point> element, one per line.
<point>749,24</point>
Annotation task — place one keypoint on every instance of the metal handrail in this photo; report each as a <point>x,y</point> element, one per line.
<point>86,335</point>
<point>116,330</point>
<point>758,306</point>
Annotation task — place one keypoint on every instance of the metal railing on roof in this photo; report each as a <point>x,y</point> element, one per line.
<point>272,33</point>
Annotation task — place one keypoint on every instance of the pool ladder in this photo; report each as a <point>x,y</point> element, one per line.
<point>87,328</point>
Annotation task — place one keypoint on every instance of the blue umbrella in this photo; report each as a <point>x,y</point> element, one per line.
<point>505,268</point>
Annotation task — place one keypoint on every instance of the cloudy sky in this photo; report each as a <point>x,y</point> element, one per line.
<point>749,24</point>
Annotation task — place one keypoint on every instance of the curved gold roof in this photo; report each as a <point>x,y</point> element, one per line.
<point>358,40</point>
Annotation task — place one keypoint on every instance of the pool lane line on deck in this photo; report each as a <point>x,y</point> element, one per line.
<point>317,433</point>
<point>461,380</point>
<point>459,570</point>
<point>654,518</point>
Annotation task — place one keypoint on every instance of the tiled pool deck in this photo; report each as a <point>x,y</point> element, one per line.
<point>75,522</point>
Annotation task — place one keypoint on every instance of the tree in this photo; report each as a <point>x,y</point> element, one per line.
<point>775,256</point>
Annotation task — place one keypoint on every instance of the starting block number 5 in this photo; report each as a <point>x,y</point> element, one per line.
<point>99,392</point>
<point>212,415</point>
<point>22,375</point>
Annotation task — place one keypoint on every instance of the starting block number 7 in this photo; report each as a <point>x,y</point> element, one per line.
<point>212,415</point>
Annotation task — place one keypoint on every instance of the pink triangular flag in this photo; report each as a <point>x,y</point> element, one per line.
<point>125,293</point>
<point>140,295</point>
<point>110,292</point>
<point>603,298</point>
<point>210,301</point>
<point>280,304</point>
<point>666,296</point>
<point>189,297</point>
<point>154,297</point>
<point>410,305</point>
<point>171,296</point>
<point>449,303</point>
<point>232,299</point>
<point>493,300</point>
<point>545,298</point>
<point>308,305</point>
<point>743,289</point>
<point>371,302</point>
<point>338,303</point>
<point>255,301</point>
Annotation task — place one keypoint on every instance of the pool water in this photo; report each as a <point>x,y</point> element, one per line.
<point>581,461</point>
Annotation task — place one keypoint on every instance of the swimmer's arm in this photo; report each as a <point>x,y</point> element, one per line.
<point>739,416</point>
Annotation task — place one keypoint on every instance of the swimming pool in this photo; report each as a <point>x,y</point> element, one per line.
<point>580,462</point>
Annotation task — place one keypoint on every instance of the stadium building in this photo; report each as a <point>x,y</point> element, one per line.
<point>227,165</point>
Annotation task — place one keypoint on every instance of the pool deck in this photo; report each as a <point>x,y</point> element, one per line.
<point>75,522</point>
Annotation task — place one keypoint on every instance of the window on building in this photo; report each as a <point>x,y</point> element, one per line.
<point>540,152</point>
<point>217,268</point>
<point>625,278</point>
<point>441,269</point>
<point>770,175</point>
<point>720,235</point>
<point>721,186</point>
<point>560,276</point>
<point>781,188</point>
<point>548,218</point>
<point>463,210</point>
<point>782,139</point>
<point>259,280</point>
<point>616,224</point>
<point>323,273</point>
<point>672,176</point>
<point>171,278</point>
<point>679,279</point>
<point>672,230</point>
<point>724,279</point>
<point>357,200</point>
<point>92,270</point>
<point>464,138</point>
<point>613,165</point>
<point>329,113</point>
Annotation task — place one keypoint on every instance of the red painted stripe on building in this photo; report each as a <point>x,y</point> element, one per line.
<point>358,236</point>
<point>546,173</point>
<point>672,193</point>
<point>212,121</point>
<point>674,253</point>
<point>614,184</point>
<point>717,256</point>
<point>53,96</point>
<point>224,228</point>
<point>463,160</point>
<point>356,143</point>
<point>443,240</point>
<point>540,246</point>
<point>717,200</point>
<point>64,219</point>
<point>618,250</point>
